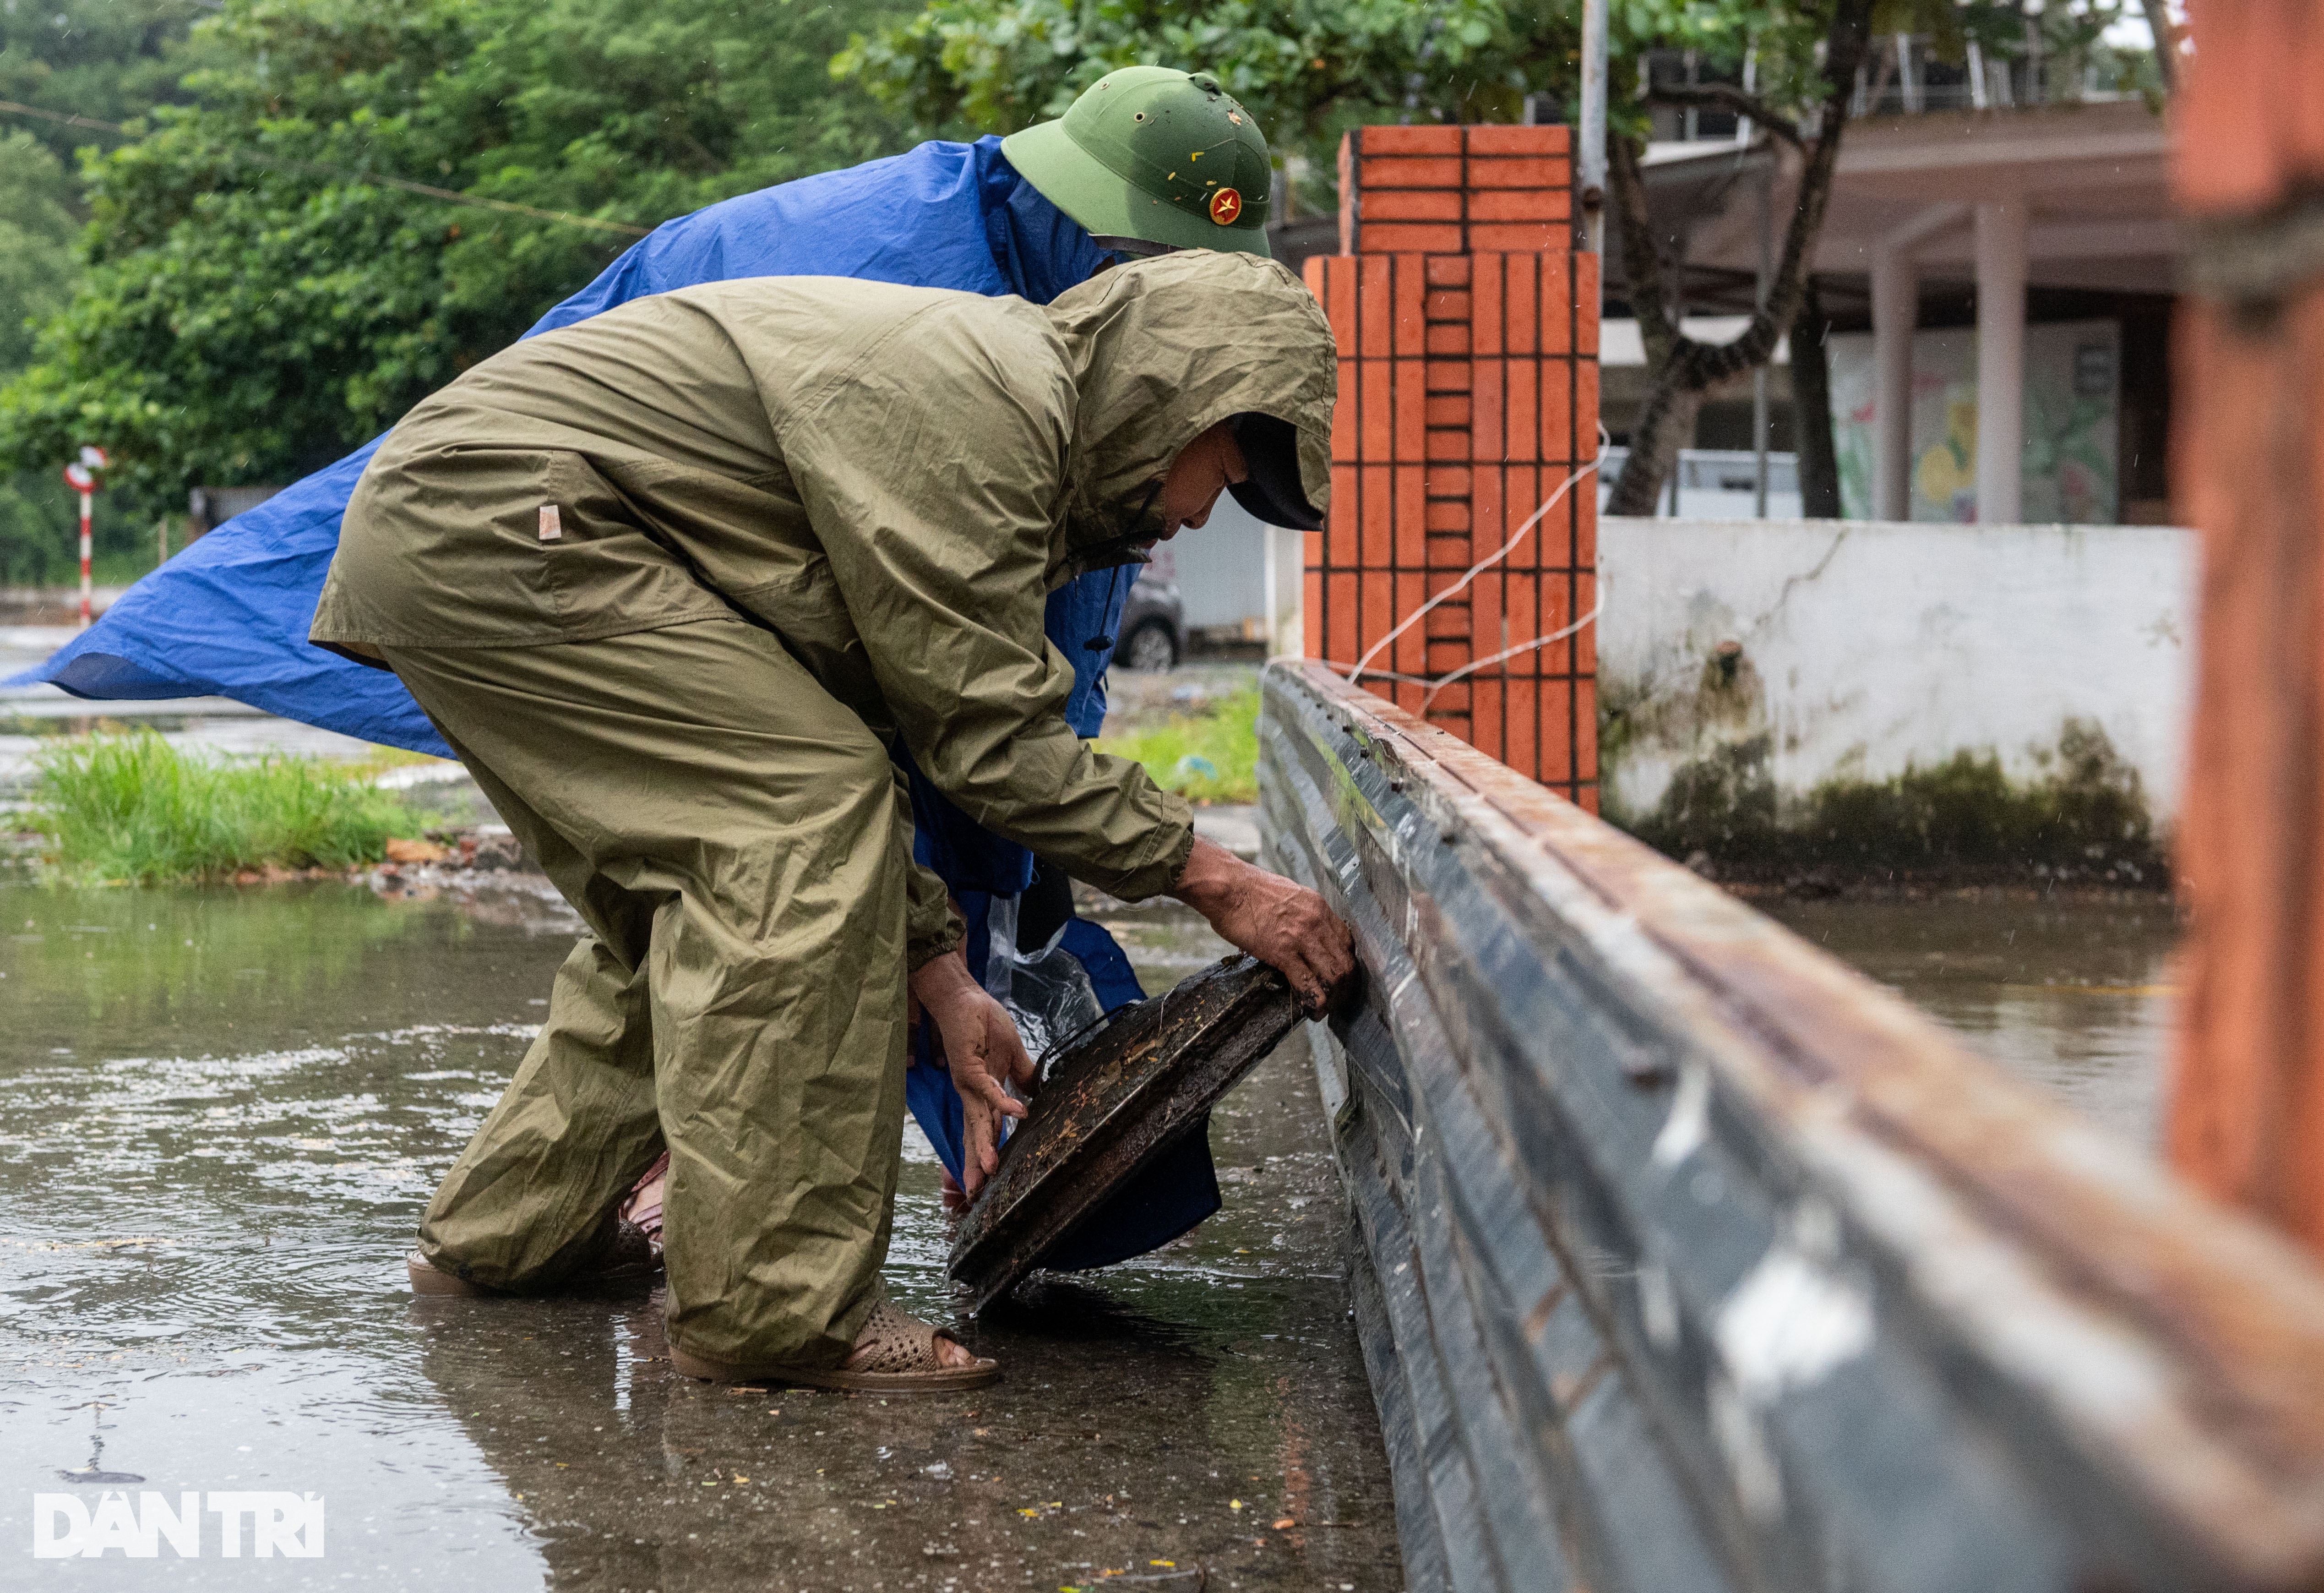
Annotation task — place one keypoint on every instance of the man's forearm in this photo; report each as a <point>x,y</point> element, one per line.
<point>1210,880</point>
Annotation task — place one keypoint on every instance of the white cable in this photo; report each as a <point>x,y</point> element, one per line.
<point>1477,569</point>
<point>1334,663</point>
<point>1436,683</point>
<point>1558,636</point>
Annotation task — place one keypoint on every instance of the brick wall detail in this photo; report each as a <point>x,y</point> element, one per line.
<point>1467,394</point>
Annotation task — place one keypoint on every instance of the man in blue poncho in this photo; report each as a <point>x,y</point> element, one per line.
<point>1031,214</point>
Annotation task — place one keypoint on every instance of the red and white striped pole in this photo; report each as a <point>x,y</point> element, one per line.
<point>81,477</point>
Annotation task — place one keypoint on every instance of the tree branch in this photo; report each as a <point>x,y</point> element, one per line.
<point>1726,97</point>
<point>1851,35</point>
<point>1685,370</point>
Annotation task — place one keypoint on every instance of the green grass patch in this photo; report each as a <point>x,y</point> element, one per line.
<point>132,810</point>
<point>1211,757</point>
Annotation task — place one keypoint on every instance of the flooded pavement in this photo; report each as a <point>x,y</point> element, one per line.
<point>225,1111</point>
<point>2074,994</point>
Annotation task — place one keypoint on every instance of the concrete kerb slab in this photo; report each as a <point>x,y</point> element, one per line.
<point>1687,1204</point>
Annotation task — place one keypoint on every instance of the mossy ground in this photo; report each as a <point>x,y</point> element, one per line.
<point>131,809</point>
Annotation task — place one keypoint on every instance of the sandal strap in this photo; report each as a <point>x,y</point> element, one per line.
<point>893,1341</point>
<point>634,1210</point>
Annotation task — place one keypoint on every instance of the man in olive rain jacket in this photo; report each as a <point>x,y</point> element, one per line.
<point>672,582</point>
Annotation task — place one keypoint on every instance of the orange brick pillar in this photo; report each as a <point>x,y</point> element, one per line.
<point>1468,337</point>
<point>2247,468</point>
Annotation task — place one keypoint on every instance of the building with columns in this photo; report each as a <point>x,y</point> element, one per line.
<point>1983,225</point>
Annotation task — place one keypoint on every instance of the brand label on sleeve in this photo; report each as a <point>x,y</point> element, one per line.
<point>551,528</point>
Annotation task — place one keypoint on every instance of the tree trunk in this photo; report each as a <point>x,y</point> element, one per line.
<point>1666,425</point>
<point>1811,411</point>
<point>1685,371</point>
<point>2166,44</point>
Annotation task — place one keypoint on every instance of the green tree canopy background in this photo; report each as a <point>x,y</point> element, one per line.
<point>108,59</point>
<point>1308,69</point>
<point>252,302</point>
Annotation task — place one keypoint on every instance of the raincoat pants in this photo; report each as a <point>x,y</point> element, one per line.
<point>740,996</point>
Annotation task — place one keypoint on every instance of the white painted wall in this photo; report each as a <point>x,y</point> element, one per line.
<point>1879,645</point>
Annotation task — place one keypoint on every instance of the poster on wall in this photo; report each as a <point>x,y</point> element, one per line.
<point>2072,400</point>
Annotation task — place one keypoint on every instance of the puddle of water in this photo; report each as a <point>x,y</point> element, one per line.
<point>2076,995</point>
<point>225,1112</point>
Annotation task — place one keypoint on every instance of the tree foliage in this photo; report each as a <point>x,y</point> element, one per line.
<point>1306,68</point>
<point>101,60</point>
<point>36,229</point>
<point>104,60</point>
<point>257,300</point>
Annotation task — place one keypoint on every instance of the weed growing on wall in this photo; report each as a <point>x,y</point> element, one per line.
<point>134,810</point>
<point>1207,757</point>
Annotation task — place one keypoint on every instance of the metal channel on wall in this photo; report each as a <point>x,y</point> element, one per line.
<point>1685,1257</point>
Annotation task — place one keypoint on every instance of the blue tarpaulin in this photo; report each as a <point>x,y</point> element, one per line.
<point>229,615</point>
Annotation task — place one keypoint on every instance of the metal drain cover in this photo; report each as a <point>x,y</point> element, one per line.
<point>1118,1097</point>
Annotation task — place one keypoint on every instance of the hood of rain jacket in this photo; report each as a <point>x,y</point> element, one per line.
<point>893,478</point>
<point>1163,350</point>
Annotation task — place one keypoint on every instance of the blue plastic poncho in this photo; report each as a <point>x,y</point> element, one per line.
<point>229,615</point>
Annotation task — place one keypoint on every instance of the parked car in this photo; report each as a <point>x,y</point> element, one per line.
<point>1153,619</point>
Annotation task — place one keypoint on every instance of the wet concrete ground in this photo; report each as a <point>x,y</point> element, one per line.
<point>2075,995</point>
<point>224,1111</point>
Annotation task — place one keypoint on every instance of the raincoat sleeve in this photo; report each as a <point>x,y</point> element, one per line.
<point>930,474</point>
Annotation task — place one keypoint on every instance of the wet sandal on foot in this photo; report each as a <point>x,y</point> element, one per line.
<point>894,1354</point>
<point>643,1207</point>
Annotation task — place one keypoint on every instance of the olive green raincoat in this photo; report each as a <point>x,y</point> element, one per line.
<point>676,582</point>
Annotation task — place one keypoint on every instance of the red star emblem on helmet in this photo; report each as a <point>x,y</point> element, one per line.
<point>1225,206</point>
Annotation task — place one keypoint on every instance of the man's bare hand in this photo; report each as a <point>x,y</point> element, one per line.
<point>984,1050</point>
<point>1284,924</point>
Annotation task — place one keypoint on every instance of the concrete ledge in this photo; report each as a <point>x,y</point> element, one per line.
<point>1689,1259</point>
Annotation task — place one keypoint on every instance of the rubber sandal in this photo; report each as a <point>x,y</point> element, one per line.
<point>894,1354</point>
<point>428,1278</point>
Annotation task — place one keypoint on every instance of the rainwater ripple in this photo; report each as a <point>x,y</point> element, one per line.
<point>225,1112</point>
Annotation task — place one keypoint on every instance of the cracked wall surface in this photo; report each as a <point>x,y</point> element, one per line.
<point>1760,678</point>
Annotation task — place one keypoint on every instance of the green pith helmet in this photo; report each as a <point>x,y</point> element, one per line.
<point>1154,154</point>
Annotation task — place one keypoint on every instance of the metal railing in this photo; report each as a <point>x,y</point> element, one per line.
<point>1907,74</point>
